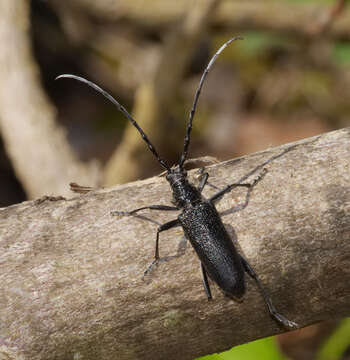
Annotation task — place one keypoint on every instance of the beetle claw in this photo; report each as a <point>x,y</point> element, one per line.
<point>119,213</point>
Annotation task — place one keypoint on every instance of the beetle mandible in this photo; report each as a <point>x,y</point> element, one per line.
<point>199,218</point>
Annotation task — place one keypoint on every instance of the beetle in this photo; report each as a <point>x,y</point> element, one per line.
<point>201,222</point>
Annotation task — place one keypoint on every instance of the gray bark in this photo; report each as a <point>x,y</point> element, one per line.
<point>70,273</point>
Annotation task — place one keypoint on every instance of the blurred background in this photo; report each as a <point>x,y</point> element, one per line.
<point>288,79</point>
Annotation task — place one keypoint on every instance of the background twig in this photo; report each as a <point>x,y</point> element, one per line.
<point>40,153</point>
<point>155,95</point>
<point>286,18</point>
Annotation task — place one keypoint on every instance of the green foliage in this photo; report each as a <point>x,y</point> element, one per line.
<point>311,1</point>
<point>264,349</point>
<point>267,349</point>
<point>255,43</point>
<point>337,343</point>
<point>341,54</point>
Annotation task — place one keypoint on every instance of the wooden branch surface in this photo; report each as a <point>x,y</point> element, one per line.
<point>70,273</point>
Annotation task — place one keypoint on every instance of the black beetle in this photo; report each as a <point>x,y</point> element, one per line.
<point>199,218</point>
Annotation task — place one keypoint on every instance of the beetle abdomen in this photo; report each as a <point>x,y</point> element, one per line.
<point>206,232</point>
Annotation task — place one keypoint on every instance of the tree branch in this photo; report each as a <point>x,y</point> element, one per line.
<point>71,273</point>
<point>282,17</point>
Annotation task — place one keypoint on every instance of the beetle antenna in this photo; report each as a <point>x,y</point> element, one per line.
<point>122,110</point>
<point>196,97</point>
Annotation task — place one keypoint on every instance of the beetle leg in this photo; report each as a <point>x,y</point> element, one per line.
<point>150,207</point>
<point>280,318</point>
<point>203,178</point>
<point>206,283</point>
<point>217,196</point>
<point>161,228</point>
<point>243,205</point>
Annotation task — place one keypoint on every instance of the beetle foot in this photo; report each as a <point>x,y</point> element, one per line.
<point>150,268</point>
<point>259,177</point>
<point>285,322</point>
<point>119,213</point>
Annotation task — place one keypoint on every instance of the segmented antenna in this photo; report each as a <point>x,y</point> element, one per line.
<point>122,110</point>
<point>196,97</point>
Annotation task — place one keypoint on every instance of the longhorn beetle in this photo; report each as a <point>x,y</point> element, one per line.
<point>199,218</point>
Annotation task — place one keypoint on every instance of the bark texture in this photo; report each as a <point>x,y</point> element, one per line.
<point>70,273</point>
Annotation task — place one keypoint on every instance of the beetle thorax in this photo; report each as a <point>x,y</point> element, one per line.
<point>183,192</point>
